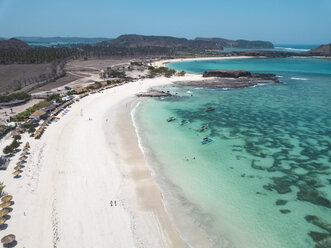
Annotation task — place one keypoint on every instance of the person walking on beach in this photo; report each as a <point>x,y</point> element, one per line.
<point>115,203</point>
<point>111,203</point>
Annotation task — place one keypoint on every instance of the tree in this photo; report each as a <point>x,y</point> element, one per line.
<point>31,129</point>
<point>8,150</point>
<point>15,144</point>
<point>17,137</point>
<point>181,73</point>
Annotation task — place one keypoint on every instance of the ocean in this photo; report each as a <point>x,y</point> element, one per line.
<point>265,180</point>
<point>295,48</point>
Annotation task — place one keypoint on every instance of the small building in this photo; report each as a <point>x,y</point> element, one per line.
<point>67,98</point>
<point>80,90</point>
<point>4,161</point>
<point>33,122</point>
<point>104,83</point>
<point>50,107</point>
<point>39,114</point>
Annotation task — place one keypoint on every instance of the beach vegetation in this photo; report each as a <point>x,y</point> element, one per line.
<point>136,63</point>
<point>97,85</point>
<point>4,129</point>
<point>15,144</point>
<point>2,186</point>
<point>54,97</point>
<point>17,137</point>
<point>116,74</point>
<point>8,150</point>
<point>31,130</point>
<point>181,73</point>
<point>160,71</point>
<point>25,114</point>
<point>14,97</point>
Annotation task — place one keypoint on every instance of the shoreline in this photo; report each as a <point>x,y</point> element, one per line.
<point>149,195</point>
<point>166,61</point>
<point>72,174</point>
<point>185,215</point>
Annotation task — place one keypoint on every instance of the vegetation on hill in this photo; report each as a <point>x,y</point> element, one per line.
<point>243,44</point>
<point>35,55</point>
<point>13,43</point>
<point>136,41</point>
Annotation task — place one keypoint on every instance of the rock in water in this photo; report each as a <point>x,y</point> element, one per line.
<point>227,73</point>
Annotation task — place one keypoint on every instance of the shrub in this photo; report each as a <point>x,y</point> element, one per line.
<point>159,71</point>
<point>181,73</point>
<point>15,144</point>
<point>8,150</point>
<point>15,96</point>
<point>55,97</point>
<point>31,130</point>
<point>17,137</point>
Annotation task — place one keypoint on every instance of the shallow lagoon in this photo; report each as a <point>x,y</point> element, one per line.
<point>269,167</point>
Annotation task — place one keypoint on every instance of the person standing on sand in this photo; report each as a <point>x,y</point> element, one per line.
<point>111,203</point>
<point>115,203</point>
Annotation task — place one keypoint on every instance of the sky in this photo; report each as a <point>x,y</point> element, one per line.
<point>279,21</point>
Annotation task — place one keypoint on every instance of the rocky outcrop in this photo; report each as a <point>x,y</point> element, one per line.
<point>322,50</point>
<point>232,79</point>
<point>154,94</point>
<point>227,73</point>
<point>13,43</point>
<point>241,74</point>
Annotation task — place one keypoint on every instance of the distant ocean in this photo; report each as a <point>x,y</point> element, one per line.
<point>281,47</point>
<point>60,43</point>
<point>268,170</point>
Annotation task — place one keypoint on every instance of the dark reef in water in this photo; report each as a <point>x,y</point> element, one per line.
<point>291,147</point>
<point>322,239</point>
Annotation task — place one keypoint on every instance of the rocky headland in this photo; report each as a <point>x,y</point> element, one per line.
<point>322,50</point>
<point>13,43</point>
<point>232,79</point>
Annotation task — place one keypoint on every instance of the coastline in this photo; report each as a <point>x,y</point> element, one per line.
<point>74,171</point>
<point>149,198</point>
<point>166,61</point>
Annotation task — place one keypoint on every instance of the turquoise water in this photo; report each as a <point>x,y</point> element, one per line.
<point>269,167</point>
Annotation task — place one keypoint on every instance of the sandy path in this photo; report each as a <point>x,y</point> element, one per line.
<point>62,198</point>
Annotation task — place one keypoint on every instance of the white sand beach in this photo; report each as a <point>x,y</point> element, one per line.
<point>163,62</point>
<point>75,170</point>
